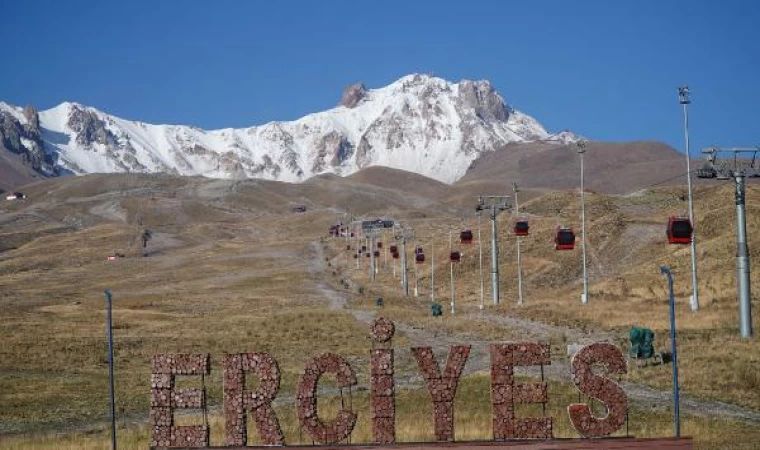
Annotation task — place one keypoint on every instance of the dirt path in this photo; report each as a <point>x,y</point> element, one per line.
<point>558,370</point>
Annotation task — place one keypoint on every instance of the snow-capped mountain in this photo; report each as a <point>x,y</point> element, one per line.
<point>419,123</point>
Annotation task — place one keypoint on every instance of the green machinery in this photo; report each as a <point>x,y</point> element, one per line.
<point>642,345</point>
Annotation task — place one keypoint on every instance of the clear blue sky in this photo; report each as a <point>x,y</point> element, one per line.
<point>605,69</point>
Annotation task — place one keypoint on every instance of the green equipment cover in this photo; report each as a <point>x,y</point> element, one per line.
<point>642,342</point>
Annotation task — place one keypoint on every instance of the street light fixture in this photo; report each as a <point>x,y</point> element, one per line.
<point>684,98</point>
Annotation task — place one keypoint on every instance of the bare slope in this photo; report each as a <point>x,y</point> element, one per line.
<point>613,168</point>
<point>410,182</point>
<point>13,171</point>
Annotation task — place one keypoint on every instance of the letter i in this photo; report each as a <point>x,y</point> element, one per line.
<point>382,392</point>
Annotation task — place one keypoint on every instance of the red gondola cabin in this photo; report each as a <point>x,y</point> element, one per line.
<point>679,230</point>
<point>465,237</point>
<point>379,244</point>
<point>455,256</point>
<point>394,249</point>
<point>377,253</point>
<point>564,239</point>
<point>522,228</point>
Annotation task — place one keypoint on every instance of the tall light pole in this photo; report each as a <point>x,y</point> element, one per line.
<point>684,99</point>
<point>584,297</point>
<point>519,259</point>
<point>432,272</point>
<point>480,256</point>
<point>451,269</point>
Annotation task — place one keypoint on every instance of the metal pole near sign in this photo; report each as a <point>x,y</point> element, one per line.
<point>109,336</point>
<point>674,353</point>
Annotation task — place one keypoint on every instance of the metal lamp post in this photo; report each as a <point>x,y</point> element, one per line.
<point>111,394</point>
<point>584,297</point>
<point>451,269</point>
<point>519,259</point>
<point>685,99</point>
<point>674,353</point>
<point>432,272</point>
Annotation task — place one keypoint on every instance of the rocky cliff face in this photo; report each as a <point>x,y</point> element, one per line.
<point>20,134</point>
<point>419,123</point>
<point>352,95</point>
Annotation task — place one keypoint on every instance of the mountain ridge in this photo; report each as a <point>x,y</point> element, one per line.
<point>418,123</point>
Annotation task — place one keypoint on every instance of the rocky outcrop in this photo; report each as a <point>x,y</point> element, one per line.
<point>25,140</point>
<point>32,120</point>
<point>89,128</point>
<point>483,99</point>
<point>352,95</point>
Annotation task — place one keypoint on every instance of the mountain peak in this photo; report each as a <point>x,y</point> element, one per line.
<point>419,123</point>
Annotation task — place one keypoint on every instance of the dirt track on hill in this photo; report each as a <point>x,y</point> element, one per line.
<point>558,370</point>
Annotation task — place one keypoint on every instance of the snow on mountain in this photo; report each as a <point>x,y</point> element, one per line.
<point>419,123</point>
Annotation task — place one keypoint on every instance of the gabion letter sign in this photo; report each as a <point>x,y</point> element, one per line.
<point>441,383</point>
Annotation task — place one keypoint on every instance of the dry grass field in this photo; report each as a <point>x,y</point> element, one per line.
<point>230,268</point>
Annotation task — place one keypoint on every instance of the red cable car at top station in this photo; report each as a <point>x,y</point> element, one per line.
<point>679,230</point>
<point>564,239</point>
<point>466,237</point>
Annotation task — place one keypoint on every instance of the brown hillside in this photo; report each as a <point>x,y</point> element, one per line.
<point>613,168</point>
